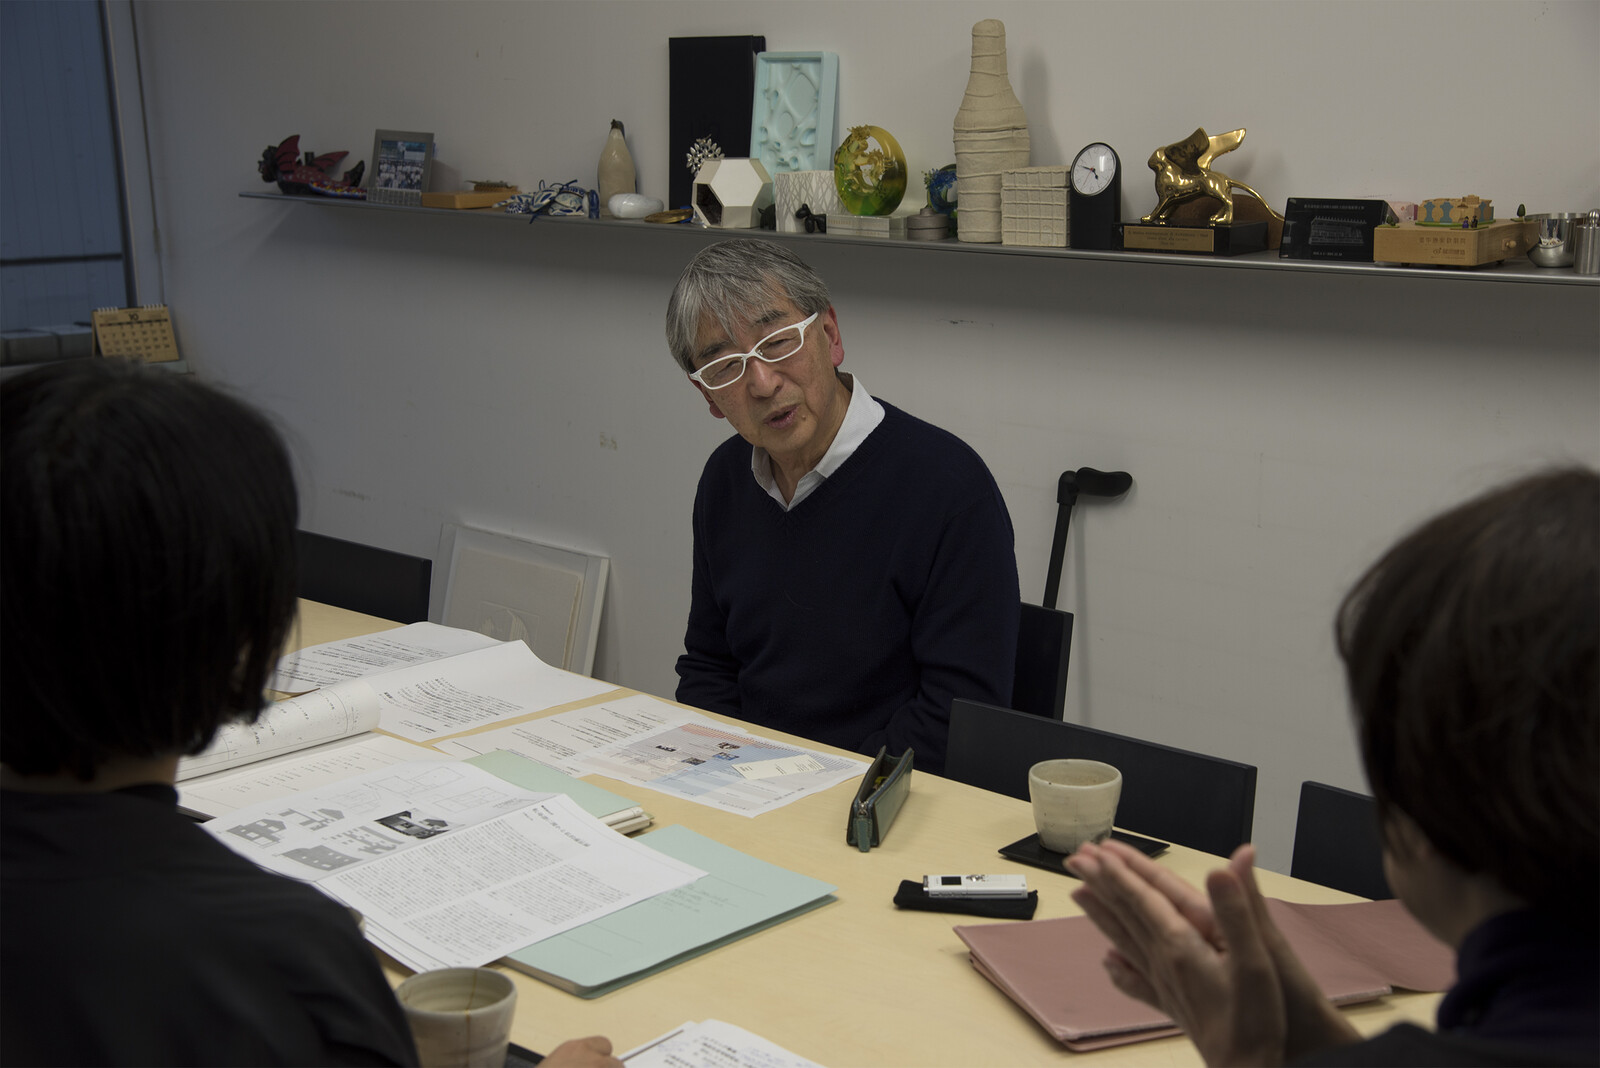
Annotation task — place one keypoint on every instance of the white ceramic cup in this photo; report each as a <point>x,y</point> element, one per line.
<point>460,1017</point>
<point>1074,801</point>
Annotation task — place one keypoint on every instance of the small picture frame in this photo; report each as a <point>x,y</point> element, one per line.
<point>401,163</point>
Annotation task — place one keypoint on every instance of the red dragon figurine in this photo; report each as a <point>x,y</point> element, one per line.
<point>281,164</point>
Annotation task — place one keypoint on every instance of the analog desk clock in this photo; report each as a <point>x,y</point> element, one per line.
<point>1096,197</point>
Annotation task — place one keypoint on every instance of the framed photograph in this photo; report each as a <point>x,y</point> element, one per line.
<point>401,161</point>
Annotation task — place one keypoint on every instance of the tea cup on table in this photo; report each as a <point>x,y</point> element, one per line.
<point>460,1017</point>
<point>1074,801</point>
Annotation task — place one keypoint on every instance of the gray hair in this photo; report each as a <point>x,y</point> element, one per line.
<point>737,279</point>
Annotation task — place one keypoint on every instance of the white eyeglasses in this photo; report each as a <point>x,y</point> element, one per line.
<point>778,345</point>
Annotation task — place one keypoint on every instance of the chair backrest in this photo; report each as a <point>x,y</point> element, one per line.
<point>1203,802</point>
<point>362,578</point>
<point>1337,842</point>
<point>1044,644</point>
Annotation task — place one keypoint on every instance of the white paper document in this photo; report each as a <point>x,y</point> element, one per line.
<point>288,725</point>
<point>469,690</point>
<point>223,791</point>
<point>713,1044</point>
<point>569,740</point>
<point>370,654</point>
<point>648,742</point>
<point>450,865</point>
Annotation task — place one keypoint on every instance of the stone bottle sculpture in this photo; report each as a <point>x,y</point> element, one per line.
<point>615,173</point>
<point>991,135</point>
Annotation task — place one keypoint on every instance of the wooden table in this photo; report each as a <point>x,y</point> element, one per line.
<point>858,982</point>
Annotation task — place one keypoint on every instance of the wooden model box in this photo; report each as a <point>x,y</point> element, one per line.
<point>1449,246</point>
<point>485,199</point>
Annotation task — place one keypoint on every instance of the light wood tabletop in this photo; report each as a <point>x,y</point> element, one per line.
<point>858,981</point>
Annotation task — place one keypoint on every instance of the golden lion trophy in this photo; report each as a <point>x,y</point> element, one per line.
<point>1194,209</point>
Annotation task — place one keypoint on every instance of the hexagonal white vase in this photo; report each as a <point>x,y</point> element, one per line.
<point>731,193</point>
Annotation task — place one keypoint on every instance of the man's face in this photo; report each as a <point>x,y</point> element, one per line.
<point>791,408</point>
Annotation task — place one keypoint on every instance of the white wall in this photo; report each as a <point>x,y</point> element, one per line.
<point>1281,427</point>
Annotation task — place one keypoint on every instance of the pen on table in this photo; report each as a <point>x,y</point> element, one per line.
<point>653,1045</point>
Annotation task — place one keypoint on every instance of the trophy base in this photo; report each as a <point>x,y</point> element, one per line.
<point>1223,239</point>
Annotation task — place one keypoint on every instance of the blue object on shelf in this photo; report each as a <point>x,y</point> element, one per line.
<point>794,117</point>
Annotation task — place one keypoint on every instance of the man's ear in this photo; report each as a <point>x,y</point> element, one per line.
<point>830,327</point>
<point>706,393</point>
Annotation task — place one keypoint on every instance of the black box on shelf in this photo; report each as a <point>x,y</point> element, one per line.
<point>1318,229</point>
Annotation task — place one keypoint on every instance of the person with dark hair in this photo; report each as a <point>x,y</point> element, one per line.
<point>1472,653</point>
<point>147,584</point>
<point>854,566</point>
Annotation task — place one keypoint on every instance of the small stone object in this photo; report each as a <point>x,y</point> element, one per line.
<point>928,225</point>
<point>632,205</point>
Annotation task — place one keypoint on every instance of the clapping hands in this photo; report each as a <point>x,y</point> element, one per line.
<point>1214,962</point>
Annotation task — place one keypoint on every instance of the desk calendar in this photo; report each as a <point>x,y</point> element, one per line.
<point>135,333</point>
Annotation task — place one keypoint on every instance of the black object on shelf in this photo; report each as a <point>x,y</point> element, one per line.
<point>712,87</point>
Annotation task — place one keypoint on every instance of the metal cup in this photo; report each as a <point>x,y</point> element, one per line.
<point>1555,234</point>
<point>1586,248</point>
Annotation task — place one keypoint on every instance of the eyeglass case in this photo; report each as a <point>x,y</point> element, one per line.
<point>878,801</point>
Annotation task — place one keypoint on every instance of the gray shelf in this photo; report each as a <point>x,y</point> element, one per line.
<point>1519,270</point>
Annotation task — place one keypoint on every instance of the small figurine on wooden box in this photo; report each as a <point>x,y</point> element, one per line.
<point>1467,212</point>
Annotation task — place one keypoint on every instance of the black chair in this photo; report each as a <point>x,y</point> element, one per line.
<point>1203,802</point>
<point>361,578</point>
<point>1337,842</point>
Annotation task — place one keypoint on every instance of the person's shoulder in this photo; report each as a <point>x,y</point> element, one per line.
<point>902,423</point>
<point>1410,1045</point>
<point>939,452</point>
<point>732,454</point>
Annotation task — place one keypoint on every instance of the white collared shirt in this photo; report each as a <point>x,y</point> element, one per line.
<point>861,417</point>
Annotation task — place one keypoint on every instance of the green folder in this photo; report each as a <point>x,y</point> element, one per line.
<point>602,804</point>
<point>738,896</point>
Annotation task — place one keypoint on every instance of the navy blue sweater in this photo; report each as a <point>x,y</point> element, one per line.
<point>855,617</point>
<point>1527,992</point>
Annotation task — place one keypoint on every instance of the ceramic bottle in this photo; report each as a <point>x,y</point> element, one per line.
<point>615,173</point>
<point>991,135</point>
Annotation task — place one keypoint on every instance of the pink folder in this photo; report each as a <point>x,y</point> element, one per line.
<point>1052,968</point>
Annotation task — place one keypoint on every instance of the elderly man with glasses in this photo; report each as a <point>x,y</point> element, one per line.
<point>854,567</point>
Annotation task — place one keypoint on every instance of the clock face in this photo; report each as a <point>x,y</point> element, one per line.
<point>1094,168</point>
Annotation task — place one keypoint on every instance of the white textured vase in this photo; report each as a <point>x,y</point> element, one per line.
<point>815,189</point>
<point>991,134</point>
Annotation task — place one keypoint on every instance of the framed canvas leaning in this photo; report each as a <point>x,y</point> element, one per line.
<point>401,162</point>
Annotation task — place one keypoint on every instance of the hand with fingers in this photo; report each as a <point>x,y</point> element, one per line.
<point>1214,962</point>
<point>591,1052</point>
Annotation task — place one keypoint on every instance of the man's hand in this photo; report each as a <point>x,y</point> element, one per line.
<point>591,1052</point>
<point>1216,964</point>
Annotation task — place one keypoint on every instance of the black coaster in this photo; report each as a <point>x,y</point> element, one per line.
<point>518,1057</point>
<point>1030,851</point>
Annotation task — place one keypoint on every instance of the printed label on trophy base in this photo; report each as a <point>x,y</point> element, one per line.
<point>1223,239</point>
